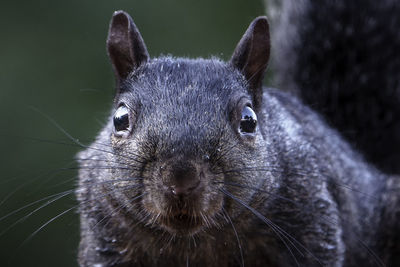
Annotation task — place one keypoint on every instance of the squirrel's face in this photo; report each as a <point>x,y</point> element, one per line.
<point>184,128</point>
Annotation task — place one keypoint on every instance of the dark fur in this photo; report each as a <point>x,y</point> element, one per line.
<point>295,171</point>
<point>343,59</point>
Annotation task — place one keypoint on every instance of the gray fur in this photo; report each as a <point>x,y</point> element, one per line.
<point>295,171</point>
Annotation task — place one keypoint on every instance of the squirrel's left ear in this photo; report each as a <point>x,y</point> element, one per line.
<point>251,56</point>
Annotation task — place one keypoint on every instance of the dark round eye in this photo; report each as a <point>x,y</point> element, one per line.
<point>121,119</point>
<point>248,121</point>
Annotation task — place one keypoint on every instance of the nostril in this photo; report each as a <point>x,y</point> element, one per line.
<point>184,189</point>
<point>182,179</point>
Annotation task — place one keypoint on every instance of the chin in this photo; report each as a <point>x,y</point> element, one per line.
<point>183,224</point>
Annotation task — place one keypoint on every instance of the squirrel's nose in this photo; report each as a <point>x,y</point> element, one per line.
<point>184,180</point>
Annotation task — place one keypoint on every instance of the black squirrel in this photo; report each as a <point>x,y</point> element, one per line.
<point>199,165</point>
<point>343,59</point>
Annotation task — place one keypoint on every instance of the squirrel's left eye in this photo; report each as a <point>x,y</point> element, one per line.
<point>121,119</point>
<point>248,121</point>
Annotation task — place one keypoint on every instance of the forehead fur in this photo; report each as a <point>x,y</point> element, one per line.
<point>169,77</point>
<point>193,96</point>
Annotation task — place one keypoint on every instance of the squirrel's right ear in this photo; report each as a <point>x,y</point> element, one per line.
<point>251,56</point>
<point>125,45</point>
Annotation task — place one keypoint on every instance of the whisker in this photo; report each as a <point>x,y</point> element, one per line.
<point>52,198</point>
<point>279,170</point>
<point>35,210</point>
<point>33,203</point>
<point>117,210</point>
<point>265,220</point>
<point>225,152</point>
<point>50,173</point>
<point>75,140</point>
<point>273,226</point>
<point>371,252</point>
<point>9,195</point>
<point>44,225</point>
<point>257,189</point>
<point>237,236</point>
<point>375,257</point>
<point>68,210</point>
<point>261,68</point>
<point>329,220</point>
<point>128,179</point>
<point>96,167</point>
<point>128,152</point>
<point>101,160</point>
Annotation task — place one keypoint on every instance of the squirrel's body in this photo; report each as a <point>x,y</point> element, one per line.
<point>201,166</point>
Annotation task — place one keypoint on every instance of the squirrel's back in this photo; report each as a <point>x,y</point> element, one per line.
<point>343,59</point>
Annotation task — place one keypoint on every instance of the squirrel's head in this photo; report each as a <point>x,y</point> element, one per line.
<point>185,129</point>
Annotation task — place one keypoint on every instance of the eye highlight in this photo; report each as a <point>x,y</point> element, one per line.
<point>121,119</point>
<point>248,121</point>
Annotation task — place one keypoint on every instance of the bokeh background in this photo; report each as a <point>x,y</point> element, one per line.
<point>53,62</point>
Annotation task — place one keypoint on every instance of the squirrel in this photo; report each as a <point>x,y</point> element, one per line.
<point>200,165</point>
<point>342,59</point>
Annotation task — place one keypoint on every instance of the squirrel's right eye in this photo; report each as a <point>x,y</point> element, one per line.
<point>248,122</point>
<point>121,119</point>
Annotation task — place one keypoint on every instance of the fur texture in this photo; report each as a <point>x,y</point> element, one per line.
<point>343,59</point>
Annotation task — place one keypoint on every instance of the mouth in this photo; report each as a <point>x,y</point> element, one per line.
<point>182,223</point>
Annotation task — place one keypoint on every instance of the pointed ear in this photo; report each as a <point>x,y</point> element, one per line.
<point>251,56</point>
<point>125,45</point>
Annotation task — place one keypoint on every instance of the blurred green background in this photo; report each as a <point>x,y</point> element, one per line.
<point>53,59</point>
